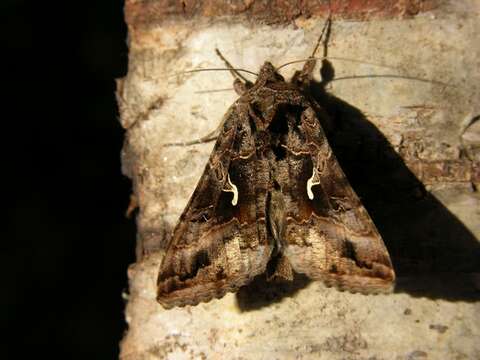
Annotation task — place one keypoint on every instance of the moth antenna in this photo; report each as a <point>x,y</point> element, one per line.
<point>233,71</point>
<point>213,91</point>
<point>334,58</point>
<point>388,76</point>
<point>306,73</point>
<point>214,69</point>
<point>204,139</point>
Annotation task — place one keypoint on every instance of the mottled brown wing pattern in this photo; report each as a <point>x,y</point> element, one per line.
<point>272,188</point>
<point>220,242</point>
<point>329,235</point>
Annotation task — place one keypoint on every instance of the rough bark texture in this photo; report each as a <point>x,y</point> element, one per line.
<point>410,148</point>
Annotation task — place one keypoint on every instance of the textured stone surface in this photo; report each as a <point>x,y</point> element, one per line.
<point>409,147</point>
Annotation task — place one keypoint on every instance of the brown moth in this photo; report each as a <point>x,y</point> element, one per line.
<point>272,194</point>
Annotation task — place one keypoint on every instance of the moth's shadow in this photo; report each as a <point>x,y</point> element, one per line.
<point>260,292</point>
<point>434,254</point>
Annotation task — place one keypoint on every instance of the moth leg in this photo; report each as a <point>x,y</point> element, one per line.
<point>240,84</point>
<point>307,71</point>
<point>212,136</point>
<point>327,28</point>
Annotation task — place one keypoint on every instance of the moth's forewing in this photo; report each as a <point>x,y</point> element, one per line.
<point>220,242</point>
<point>329,234</point>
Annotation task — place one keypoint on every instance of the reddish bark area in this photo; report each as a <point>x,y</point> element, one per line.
<point>144,13</point>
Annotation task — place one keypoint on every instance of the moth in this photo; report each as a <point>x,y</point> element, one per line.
<point>273,199</point>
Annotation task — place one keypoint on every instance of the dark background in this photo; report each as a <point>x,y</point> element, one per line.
<point>67,243</point>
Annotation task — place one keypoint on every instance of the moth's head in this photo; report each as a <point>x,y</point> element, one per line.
<point>268,73</point>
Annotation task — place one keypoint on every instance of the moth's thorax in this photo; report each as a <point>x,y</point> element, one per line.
<point>268,74</point>
<point>267,100</point>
